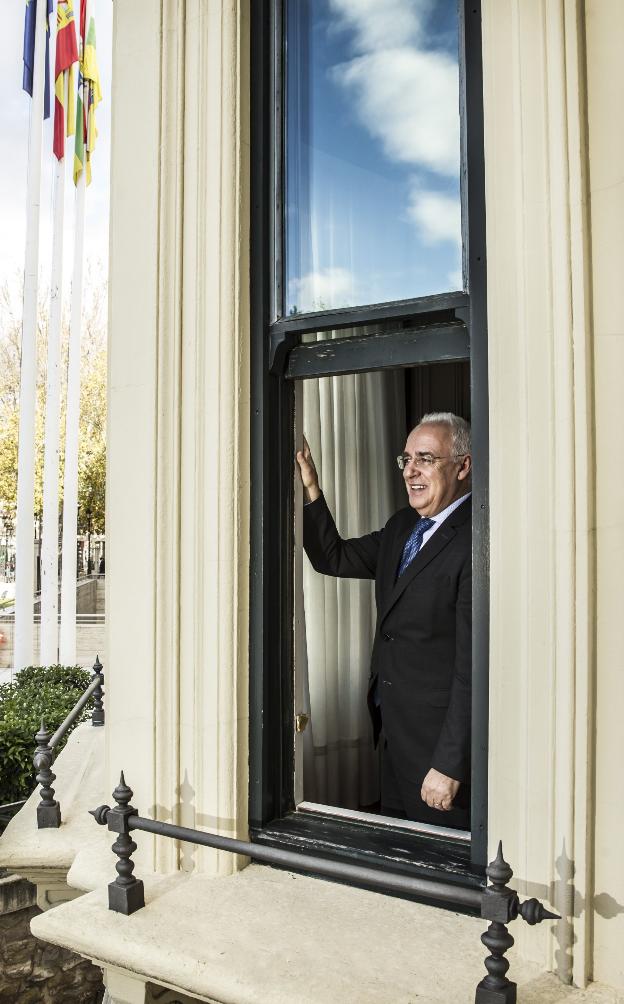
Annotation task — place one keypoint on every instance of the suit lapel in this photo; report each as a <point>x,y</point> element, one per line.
<point>443,536</point>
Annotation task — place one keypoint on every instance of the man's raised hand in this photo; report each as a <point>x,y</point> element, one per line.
<point>307,471</point>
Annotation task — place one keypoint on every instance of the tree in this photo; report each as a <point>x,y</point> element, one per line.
<point>92,441</point>
<point>10,359</point>
<point>92,430</point>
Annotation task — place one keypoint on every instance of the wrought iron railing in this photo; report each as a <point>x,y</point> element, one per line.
<point>497,902</point>
<point>49,810</point>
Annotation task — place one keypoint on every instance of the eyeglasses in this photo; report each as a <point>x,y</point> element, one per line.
<point>424,459</point>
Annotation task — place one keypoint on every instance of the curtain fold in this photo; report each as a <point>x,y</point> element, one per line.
<point>355,426</point>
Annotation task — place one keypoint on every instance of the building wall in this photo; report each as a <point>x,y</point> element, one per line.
<point>554,205</point>
<point>178,500</point>
<point>30,970</point>
<point>605,98</point>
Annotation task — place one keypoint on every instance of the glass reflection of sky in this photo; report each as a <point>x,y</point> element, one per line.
<point>372,168</point>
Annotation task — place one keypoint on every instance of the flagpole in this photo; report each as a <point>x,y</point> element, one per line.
<point>48,650</point>
<point>67,648</point>
<point>24,534</point>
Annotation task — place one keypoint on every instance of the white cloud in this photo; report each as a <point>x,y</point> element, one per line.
<point>323,290</point>
<point>381,25</point>
<point>437,216</point>
<point>408,99</point>
<point>455,279</point>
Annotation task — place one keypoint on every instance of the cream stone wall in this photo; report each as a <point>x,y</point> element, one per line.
<point>540,462</point>
<point>178,516</point>
<point>553,81</point>
<point>605,92</point>
<point>177,575</point>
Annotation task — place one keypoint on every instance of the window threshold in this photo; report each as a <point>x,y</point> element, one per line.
<point>385,822</point>
<point>425,852</point>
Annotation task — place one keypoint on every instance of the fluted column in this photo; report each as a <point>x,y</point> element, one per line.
<point>178,486</point>
<point>542,658</point>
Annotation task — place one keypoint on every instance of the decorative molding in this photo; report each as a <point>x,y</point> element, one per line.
<point>542,651</point>
<point>179,687</point>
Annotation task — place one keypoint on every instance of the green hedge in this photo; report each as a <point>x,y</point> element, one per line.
<point>48,692</point>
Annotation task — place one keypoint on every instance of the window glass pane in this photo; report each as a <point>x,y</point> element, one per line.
<point>365,329</point>
<point>372,209</point>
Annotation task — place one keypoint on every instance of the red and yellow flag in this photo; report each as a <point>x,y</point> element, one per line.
<point>66,56</point>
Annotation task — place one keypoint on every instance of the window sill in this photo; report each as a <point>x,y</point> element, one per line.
<point>382,847</point>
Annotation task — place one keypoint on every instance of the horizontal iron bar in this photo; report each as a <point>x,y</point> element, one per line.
<point>349,317</point>
<point>360,354</point>
<point>427,888</point>
<point>7,806</point>
<point>73,714</point>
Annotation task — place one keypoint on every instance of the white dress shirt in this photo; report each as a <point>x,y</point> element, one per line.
<point>439,519</point>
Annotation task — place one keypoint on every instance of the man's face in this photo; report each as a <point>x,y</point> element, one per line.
<point>432,487</point>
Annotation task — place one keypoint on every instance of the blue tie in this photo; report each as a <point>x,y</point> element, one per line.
<point>414,543</point>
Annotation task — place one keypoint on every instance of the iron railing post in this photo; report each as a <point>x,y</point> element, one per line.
<point>48,810</point>
<point>125,894</point>
<point>97,715</point>
<point>500,905</point>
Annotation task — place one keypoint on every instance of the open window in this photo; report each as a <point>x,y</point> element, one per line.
<point>368,311</point>
<point>354,423</point>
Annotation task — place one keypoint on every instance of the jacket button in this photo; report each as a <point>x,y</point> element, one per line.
<point>388,637</point>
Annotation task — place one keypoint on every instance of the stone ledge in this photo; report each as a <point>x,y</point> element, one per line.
<point>80,770</point>
<point>267,935</point>
<point>16,894</point>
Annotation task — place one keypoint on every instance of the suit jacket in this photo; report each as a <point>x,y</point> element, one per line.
<point>422,653</point>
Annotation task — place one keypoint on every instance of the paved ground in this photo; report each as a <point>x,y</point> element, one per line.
<point>90,641</point>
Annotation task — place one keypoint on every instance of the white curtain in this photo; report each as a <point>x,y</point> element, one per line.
<point>355,426</point>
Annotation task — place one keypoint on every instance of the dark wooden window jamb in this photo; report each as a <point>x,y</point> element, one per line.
<point>427,329</point>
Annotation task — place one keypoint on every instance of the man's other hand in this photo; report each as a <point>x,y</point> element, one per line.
<point>438,790</point>
<point>307,470</point>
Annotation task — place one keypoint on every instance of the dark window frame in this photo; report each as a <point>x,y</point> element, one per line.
<point>454,323</point>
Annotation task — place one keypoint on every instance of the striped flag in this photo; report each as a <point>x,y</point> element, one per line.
<point>89,94</point>
<point>30,20</point>
<point>66,56</point>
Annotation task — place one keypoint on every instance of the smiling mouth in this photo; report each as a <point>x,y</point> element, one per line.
<point>417,488</point>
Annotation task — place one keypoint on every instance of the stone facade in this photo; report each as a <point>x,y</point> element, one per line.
<point>32,971</point>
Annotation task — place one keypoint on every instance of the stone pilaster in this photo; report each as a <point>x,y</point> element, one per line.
<point>542,658</point>
<point>177,563</point>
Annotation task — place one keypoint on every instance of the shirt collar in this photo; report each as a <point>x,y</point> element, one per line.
<point>450,508</point>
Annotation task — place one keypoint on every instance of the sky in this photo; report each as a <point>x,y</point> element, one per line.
<point>373,151</point>
<point>14,132</point>
<point>372,208</point>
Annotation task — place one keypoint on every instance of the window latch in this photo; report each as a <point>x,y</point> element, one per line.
<point>300,722</point>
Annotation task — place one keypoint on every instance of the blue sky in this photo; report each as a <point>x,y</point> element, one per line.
<point>380,155</point>
<point>14,125</point>
<point>373,211</point>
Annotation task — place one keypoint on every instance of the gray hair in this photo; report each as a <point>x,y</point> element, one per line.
<point>459,428</point>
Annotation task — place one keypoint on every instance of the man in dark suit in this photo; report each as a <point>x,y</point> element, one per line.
<point>421,562</point>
